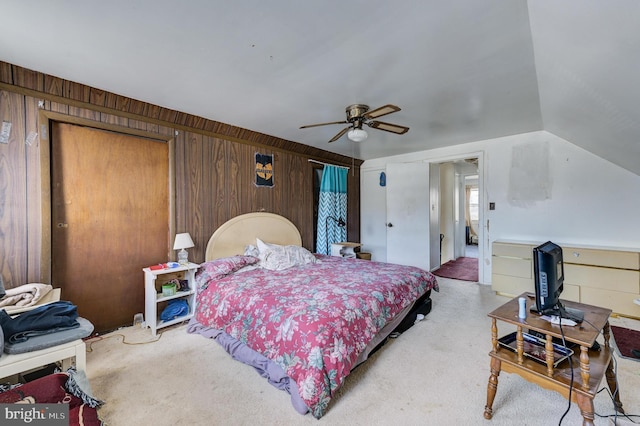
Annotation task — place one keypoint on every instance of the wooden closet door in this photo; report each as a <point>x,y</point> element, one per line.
<point>110,219</point>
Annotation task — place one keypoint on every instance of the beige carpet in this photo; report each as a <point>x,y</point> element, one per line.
<point>434,374</point>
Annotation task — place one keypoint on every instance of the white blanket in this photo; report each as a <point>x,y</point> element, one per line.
<point>25,295</point>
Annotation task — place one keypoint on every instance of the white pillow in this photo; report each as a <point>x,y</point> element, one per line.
<point>262,246</point>
<point>276,257</point>
<point>251,250</point>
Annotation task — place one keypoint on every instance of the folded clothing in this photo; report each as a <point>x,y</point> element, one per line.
<point>25,295</point>
<point>175,308</point>
<point>51,318</point>
<point>48,340</point>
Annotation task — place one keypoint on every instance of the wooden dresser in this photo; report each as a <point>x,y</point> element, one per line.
<point>596,276</point>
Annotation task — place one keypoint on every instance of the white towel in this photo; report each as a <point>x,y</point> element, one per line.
<point>25,295</point>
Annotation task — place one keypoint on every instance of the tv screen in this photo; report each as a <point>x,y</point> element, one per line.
<point>548,274</point>
<point>548,270</point>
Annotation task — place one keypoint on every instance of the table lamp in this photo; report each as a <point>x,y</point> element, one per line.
<point>183,241</point>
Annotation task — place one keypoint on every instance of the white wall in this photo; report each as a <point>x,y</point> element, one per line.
<point>544,188</point>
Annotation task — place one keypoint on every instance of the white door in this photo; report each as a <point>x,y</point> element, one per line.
<point>408,214</point>
<point>435,245</point>
<point>373,215</point>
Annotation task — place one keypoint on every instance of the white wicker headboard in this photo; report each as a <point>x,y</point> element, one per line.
<point>233,236</point>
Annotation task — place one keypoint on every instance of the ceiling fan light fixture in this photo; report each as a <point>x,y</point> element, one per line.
<point>357,135</point>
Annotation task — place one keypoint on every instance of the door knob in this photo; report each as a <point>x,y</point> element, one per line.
<point>63,225</point>
<point>389,225</point>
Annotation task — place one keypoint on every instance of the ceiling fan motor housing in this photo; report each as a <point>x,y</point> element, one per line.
<point>355,112</point>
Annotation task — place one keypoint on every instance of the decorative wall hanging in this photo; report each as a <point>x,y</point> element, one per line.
<point>264,170</point>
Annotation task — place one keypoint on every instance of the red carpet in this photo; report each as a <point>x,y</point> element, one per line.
<point>625,340</point>
<point>463,268</point>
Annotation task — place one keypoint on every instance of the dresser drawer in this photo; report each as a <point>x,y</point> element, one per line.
<point>522,251</point>
<point>511,286</point>
<point>618,302</point>
<point>609,258</point>
<point>513,267</point>
<point>570,292</point>
<point>604,278</point>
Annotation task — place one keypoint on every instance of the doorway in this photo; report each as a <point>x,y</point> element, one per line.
<point>110,217</point>
<point>471,215</point>
<point>460,246</point>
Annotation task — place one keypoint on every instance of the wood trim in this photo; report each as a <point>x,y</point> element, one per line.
<point>45,200</point>
<point>71,119</point>
<point>44,120</point>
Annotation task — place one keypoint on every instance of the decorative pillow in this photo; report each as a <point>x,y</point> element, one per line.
<point>276,257</point>
<point>218,268</point>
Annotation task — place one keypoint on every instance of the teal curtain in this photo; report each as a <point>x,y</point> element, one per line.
<point>332,209</point>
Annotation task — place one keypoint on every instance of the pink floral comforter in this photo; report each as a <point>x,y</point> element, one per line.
<point>313,319</point>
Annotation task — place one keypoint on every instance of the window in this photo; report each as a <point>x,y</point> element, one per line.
<point>473,203</point>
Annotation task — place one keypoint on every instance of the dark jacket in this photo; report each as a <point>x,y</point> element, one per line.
<point>45,319</point>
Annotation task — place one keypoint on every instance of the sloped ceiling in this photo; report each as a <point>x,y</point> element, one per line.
<point>461,70</point>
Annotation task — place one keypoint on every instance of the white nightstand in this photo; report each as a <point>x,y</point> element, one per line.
<point>344,249</point>
<point>154,301</point>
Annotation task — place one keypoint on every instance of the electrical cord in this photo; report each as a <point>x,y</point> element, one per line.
<point>615,369</point>
<point>616,414</point>
<point>564,343</point>
<point>97,339</point>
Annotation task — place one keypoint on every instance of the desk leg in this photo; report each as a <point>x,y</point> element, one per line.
<point>81,357</point>
<point>586,409</point>
<point>612,381</point>
<point>585,368</point>
<point>492,387</point>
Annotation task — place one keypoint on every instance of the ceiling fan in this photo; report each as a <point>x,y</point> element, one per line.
<point>357,116</point>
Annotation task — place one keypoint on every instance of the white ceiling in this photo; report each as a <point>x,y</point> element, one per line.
<point>461,70</point>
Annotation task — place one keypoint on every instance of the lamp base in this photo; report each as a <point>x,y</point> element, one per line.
<point>183,257</point>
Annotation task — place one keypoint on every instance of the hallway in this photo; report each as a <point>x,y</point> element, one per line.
<point>471,250</point>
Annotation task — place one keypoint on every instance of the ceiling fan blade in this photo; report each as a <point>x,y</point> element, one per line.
<point>379,112</point>
<point>339,135</point>
<point>387,127</point>
<point>323,124</point>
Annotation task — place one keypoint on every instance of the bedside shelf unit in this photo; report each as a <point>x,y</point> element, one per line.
<point>154,300</point>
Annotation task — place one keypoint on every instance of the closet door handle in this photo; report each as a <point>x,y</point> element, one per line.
<point>389,225</point>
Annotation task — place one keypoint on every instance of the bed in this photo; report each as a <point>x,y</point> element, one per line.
<point>302,320</point>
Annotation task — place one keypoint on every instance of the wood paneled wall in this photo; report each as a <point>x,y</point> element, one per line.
<point>214,168</point>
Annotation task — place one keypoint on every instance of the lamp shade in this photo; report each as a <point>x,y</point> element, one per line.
<point>183,241</point>
<point>357,135</point>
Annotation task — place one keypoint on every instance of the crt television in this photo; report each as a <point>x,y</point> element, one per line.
<point>548,272</point>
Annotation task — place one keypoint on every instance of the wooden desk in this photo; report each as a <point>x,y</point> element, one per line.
<point>589,366</point>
